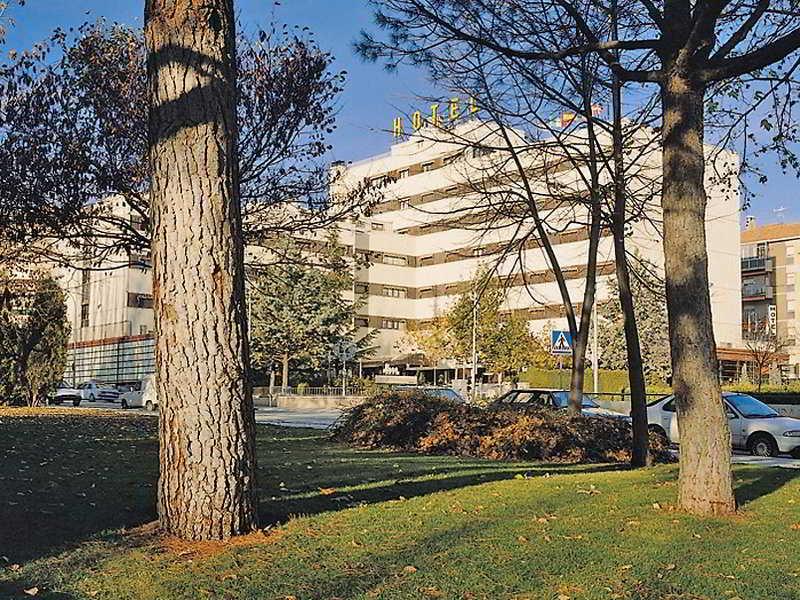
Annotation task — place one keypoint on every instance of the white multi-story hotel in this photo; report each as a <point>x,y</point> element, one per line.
<point>447,211</point>
<point>436,229</point>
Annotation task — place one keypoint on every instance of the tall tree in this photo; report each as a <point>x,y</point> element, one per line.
<point>33,336</point>
<point>690,51</point>
<point>298,315</point>
<point>207,429</point>
<point>73,133</point>
<point>651,316</point>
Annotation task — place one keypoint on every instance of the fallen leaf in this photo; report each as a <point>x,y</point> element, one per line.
<point>409,569</point>
<point>32,591</point>
<point>327,491</point>
<point>432,592</point>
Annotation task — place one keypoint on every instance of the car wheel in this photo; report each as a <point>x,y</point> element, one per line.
<point>149,406</point>
<point>796,452</point>
<point>762,444</point>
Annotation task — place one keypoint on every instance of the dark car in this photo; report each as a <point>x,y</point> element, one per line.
<point>552,399</point>
<point>438,392</point>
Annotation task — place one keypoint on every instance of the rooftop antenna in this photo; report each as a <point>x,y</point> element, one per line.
<point>779,211</point>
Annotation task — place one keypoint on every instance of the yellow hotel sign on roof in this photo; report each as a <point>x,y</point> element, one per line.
<point>418,121</point>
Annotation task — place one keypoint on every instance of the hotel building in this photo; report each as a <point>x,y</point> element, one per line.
<point>770,275</point>
<point>437,225</point>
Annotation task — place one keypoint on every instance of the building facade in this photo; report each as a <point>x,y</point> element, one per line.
<point>434,229</point>
<point>430,236</point>
<point>770,270</point>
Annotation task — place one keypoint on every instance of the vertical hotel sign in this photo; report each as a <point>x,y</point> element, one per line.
<point>437,116</point>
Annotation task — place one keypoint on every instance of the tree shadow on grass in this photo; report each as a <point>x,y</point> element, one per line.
<point>753,482</point>
<point>278,510</point>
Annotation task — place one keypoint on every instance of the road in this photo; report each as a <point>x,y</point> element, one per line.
<point>322,419</point>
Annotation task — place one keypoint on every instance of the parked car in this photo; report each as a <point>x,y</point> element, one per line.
<point>66,392</point>
<point>755,427</point>
<point>145,397</point>
<point>94,390</point>
<point>438,392</point>
<point>554,399</point>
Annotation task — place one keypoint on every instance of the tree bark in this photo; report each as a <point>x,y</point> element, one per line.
<point>207,456</point>
<point>285,371</point>
<point>705,482</point>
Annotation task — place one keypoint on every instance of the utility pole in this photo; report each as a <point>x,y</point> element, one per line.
<point>474,344</point>
<point>595,357</point>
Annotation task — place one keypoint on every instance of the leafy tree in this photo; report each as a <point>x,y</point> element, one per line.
<point>73,132</point>
<point>298,314</point>
<point>33,337</point>
<point>504,342</point>
<point>651,315</point>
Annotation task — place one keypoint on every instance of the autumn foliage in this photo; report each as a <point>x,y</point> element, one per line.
<point>412,422</point>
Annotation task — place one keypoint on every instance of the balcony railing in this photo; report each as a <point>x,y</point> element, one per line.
<point>756,264</point>
<point>756,292</point>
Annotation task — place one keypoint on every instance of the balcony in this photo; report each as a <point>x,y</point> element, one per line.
<point>756,264</point>
<point>755,293</point>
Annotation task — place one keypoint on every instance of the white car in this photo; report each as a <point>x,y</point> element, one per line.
<point>755,427</point>
<point>66,392</point>
<point>94,390</point>
<point>143,398</point>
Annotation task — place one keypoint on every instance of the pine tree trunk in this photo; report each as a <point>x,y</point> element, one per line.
<point>705,483</point>
<point>207,455</point>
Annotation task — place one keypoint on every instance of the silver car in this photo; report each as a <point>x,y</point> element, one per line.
<point>755,427</point>
<point>556,399</point>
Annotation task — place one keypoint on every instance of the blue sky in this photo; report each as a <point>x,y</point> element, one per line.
<point>372,96</point>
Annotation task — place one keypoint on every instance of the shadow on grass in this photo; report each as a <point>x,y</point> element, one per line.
<point>753,483</point>
<point>278,510</point>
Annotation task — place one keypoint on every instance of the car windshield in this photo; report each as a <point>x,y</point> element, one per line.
<point>562,400</point>
<point>750,407</point>
<point>445,394</point>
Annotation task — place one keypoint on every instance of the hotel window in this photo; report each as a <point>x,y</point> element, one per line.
<point>404,204</point>
<point>428,166</point>
<point>388,259</point>
<point>395,292</point>
<point>426,293</point>
<point>377,227</point>
<point>478,252</point>
<point>361,288</point>
<point>403,173</point>
<point>84,315</point>
<point>426,260</point>
<point>362,322</point>
<point>393,324</point>
<point>481,151</point>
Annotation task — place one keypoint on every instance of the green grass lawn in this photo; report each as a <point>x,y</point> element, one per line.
<point>344,523</point>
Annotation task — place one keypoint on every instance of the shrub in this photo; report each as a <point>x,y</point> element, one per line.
<point>413,422</point>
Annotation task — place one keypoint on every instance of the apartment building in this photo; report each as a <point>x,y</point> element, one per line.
<point>423,243</point>
<point>110,310</point>
<point>770,268</point>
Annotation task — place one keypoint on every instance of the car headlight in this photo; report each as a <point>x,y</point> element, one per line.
<point>793,433</point>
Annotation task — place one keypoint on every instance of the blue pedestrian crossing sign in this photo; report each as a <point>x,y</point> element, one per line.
<point>560,342</point>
